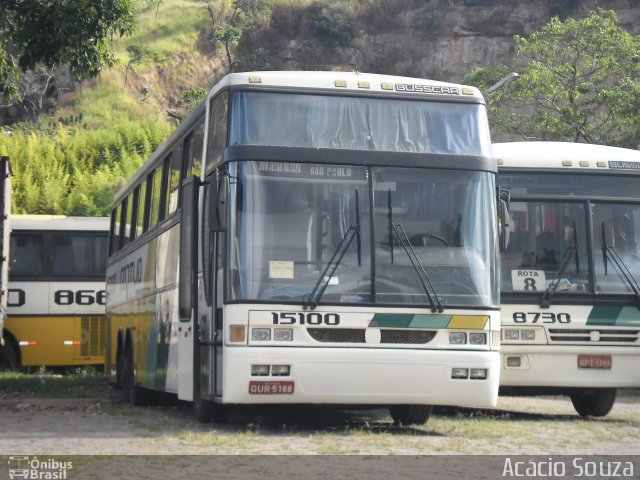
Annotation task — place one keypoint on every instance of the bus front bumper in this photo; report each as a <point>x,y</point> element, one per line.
<point>359,376</point>
<point>544,366</point>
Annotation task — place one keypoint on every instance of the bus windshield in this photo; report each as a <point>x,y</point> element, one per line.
<point>587,227</point>
<point>358,123</point>
<point>288,219</point>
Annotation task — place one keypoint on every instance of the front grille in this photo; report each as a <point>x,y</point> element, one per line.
<point>93,336</point>
<point>605,336</point>
<point>337,335</point>
<point>357,335</point>
<point>412,337</point>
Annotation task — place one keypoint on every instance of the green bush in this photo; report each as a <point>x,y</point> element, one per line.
<point>333,25</point>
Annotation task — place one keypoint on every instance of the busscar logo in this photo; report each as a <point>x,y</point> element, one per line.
<point>437,89</point>
<point>36,469</point>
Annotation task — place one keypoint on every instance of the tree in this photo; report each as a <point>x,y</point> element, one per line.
<point>231,19</point>
<point>580,82</point>
<point>137,55</point>
<point>59,32</point>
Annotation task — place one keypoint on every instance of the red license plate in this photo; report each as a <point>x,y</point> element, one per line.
<point>271,388</point>
<point>594,361</point>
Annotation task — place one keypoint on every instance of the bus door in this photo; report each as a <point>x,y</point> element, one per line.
<point>187,289</point>
<point>210,312</point>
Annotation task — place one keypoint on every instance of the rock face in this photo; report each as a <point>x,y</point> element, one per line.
<point>438,39</point>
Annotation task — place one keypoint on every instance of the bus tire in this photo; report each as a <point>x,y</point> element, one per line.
<point>9,355</point>
<point>410,414</point>
<point>594,403</point>
<point>131,392</point>
<point>202,409</point>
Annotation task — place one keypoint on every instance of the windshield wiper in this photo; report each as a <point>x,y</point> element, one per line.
<point>436,305</point>
<point>616,259</point>
<point>564,261</point>
<point>312,299</point>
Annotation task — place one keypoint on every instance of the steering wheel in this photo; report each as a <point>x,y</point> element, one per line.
<point>422,239</point>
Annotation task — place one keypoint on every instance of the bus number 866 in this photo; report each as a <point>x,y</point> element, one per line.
<point>80,297</point>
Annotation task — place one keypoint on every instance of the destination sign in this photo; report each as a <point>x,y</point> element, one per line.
<point>622,165</point>
<point>311,170</point>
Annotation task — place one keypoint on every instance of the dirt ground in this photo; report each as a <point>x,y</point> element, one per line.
<point>518,426</point>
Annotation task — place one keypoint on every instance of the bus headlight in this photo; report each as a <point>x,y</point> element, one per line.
<point>283,334</point>
<point>478,338</point>
<point>528,335</point>
<point>261,334</point>
<point>457,338</point>
<point>512,334</point>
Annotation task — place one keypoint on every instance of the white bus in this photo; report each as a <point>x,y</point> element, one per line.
<point>56,300</point>
<point>570,294</point>
<point>342,250</point>
<point>5,230</point>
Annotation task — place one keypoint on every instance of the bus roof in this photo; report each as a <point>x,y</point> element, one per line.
<point>566,156</point>
<point>59,222</point>
<point>354,81</point>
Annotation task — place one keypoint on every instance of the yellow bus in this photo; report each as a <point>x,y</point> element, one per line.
<point>312,238</point>
<point>56,300</point>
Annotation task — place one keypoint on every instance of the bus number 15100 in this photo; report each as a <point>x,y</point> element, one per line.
<point>302,318</point>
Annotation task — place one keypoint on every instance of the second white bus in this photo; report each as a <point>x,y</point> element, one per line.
<point>570,294</point>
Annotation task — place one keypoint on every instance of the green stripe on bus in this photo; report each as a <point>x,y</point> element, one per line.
<point>399,320</point>
<point>629,317</point>
<point>430,321</point>
<point>614,316</point>
<point>606,316</point>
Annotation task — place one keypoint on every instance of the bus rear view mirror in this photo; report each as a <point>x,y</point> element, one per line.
<point>504,197</point>
<point>217,207</point>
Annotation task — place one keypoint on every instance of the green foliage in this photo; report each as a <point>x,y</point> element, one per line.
<point>332,24</point>
<point>75,170</point>
<point>63,32</point>
<point>581,83</point>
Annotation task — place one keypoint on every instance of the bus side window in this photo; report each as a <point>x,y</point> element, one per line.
<point>217,130</point>
<point>133,230</point>
<point>122,233</point>
<point>173,184</point>
<point>154,183</point>
<point>142,224</point>
<point>196,150</point>
<point>115,230</point>
<point>187,156</point>
<point>78,254</point>
<point>27,254</point>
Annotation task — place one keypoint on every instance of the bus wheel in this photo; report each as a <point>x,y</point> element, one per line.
<point>594,403</point>
<point>131,392</point>
<point>410,414</point>
<point>202,409</point>
<point>9,356</point>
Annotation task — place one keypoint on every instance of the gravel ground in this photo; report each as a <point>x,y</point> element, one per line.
<point>105,426</point>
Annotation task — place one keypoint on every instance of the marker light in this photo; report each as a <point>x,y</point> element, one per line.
<point>478,338</point>
<point>236,333</point>
<point>261,334</point>
<point>457,338</point>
